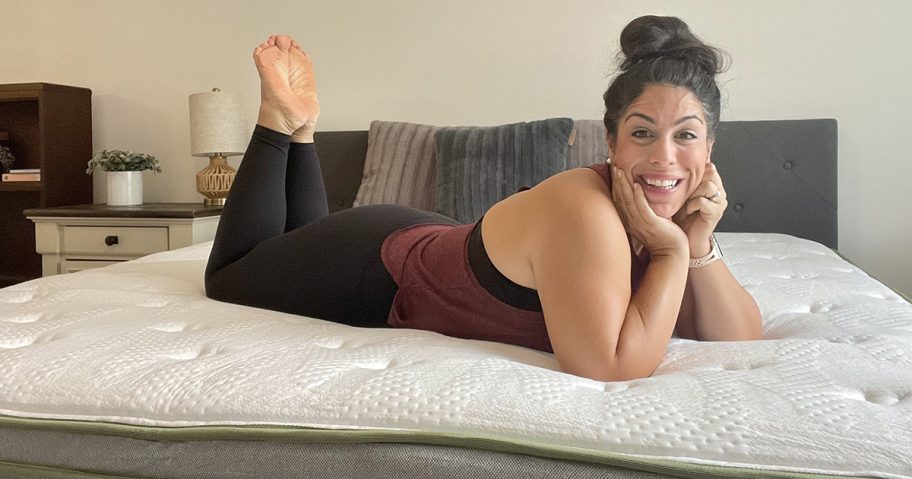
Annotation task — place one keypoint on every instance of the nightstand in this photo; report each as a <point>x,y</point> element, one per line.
<point>74,238</point>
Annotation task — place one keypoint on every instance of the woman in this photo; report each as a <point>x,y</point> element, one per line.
<point>598,266</point>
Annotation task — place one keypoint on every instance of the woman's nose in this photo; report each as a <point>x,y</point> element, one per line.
<point>663,153</point>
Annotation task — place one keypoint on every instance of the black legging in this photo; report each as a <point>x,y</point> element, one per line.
<point>277,247</point>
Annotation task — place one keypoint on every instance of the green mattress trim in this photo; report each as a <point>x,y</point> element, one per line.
<point>277,433</point>
<point>27,471</point>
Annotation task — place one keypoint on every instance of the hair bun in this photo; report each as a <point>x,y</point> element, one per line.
<point>651,37</point>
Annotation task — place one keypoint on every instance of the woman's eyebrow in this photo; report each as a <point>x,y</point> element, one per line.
<point>650,120</point>
<point>685,118</point>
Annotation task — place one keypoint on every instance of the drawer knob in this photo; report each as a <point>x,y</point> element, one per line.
<point>111,240</point>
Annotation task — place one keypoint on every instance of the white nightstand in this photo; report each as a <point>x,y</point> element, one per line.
<point>74,238</point>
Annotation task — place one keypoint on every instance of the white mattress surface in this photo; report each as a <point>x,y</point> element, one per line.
<point>828,389</point>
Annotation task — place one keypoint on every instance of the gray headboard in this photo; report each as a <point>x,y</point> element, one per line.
<point>780,175</point>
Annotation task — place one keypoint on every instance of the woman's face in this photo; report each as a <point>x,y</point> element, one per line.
<point>662,143</point>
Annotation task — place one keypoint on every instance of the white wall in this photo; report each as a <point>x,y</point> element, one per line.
<point>486,62</point>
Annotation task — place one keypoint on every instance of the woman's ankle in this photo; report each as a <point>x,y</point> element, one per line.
<point>303,134</point>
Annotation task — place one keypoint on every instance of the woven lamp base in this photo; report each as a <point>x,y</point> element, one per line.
<point>214,181</point>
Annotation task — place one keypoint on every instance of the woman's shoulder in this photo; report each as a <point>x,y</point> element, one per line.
<point>580,262</point>
<point>572,202</point>
<point>577,189</point>
<point>568,215</point>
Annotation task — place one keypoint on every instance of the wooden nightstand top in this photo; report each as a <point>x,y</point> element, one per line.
<point>148,210</point>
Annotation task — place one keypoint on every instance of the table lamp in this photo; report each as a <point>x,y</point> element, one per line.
<point>217,130</point>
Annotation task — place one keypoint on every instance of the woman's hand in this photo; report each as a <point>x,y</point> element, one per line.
<point>660,236</point>
<point>702,212</point>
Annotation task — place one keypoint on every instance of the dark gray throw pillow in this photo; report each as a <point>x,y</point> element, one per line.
<point>479,166</point>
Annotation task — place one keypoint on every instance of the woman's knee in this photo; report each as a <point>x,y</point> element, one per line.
<point>214,285</point>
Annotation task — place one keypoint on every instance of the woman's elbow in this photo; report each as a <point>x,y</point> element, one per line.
<point>612,370</point>
<point>749,328</point>
<point>611,374</point>
<point>755,321</point>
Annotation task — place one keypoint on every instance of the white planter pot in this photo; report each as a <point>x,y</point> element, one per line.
<point>124,188</point>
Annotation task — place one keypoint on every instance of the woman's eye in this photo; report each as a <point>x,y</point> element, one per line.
<point>686,135</point>
<point>640,134</point>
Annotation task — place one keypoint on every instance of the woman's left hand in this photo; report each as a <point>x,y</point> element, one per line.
<point>702,212</point>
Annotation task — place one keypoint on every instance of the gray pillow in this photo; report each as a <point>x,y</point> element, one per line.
<point>399,167</point>
<point>479,166</point>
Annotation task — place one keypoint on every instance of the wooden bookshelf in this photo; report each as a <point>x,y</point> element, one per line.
<point>49,127</point>
<point>20,186</point>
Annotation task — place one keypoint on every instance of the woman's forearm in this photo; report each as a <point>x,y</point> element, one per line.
<point>651,315</point>
<point>722,309</point>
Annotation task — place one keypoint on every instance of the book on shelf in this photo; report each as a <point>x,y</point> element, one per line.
<point>21,177</point>
<point>15,171</point>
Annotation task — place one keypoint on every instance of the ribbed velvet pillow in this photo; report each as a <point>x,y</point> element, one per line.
<point>588,145</point>
<point>479,166</point>
<point>400,166</point>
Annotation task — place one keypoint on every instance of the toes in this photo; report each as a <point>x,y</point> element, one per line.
<point>266,44</point>
<point>283,42</point>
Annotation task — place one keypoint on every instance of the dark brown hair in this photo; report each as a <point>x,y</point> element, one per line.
<point>663,50</point>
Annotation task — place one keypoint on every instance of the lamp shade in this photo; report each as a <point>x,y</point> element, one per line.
<point>216,124</point>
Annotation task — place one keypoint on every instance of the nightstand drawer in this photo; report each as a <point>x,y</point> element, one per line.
<point>78,237</point>
<point>134,241</point>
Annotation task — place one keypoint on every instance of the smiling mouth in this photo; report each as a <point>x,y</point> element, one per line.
<point>665,185</point>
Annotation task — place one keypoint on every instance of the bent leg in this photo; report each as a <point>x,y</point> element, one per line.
<point>329,269</point>
<point>305,194</point>
<point>256,206</point>
<point>276,248</point>
<point>279,185</point>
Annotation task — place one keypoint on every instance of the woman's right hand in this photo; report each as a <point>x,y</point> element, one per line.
<point>660,236</point>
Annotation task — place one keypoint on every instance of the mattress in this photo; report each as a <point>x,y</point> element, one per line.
<point>136,350</point>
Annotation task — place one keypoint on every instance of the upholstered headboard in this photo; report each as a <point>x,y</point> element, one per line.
<point>780,175</point>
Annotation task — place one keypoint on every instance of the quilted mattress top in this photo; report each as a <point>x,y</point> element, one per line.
<point>828,389</point>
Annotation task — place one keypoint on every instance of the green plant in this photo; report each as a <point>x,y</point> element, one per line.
<point>119,160</point>
<point>6,158</point>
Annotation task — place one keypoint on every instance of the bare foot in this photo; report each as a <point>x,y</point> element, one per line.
<point>288,88</point>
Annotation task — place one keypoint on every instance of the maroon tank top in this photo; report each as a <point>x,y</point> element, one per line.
<point>604,170</point>
<point>439,292</point>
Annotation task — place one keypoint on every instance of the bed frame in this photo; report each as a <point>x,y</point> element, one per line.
<point>780,175</point>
